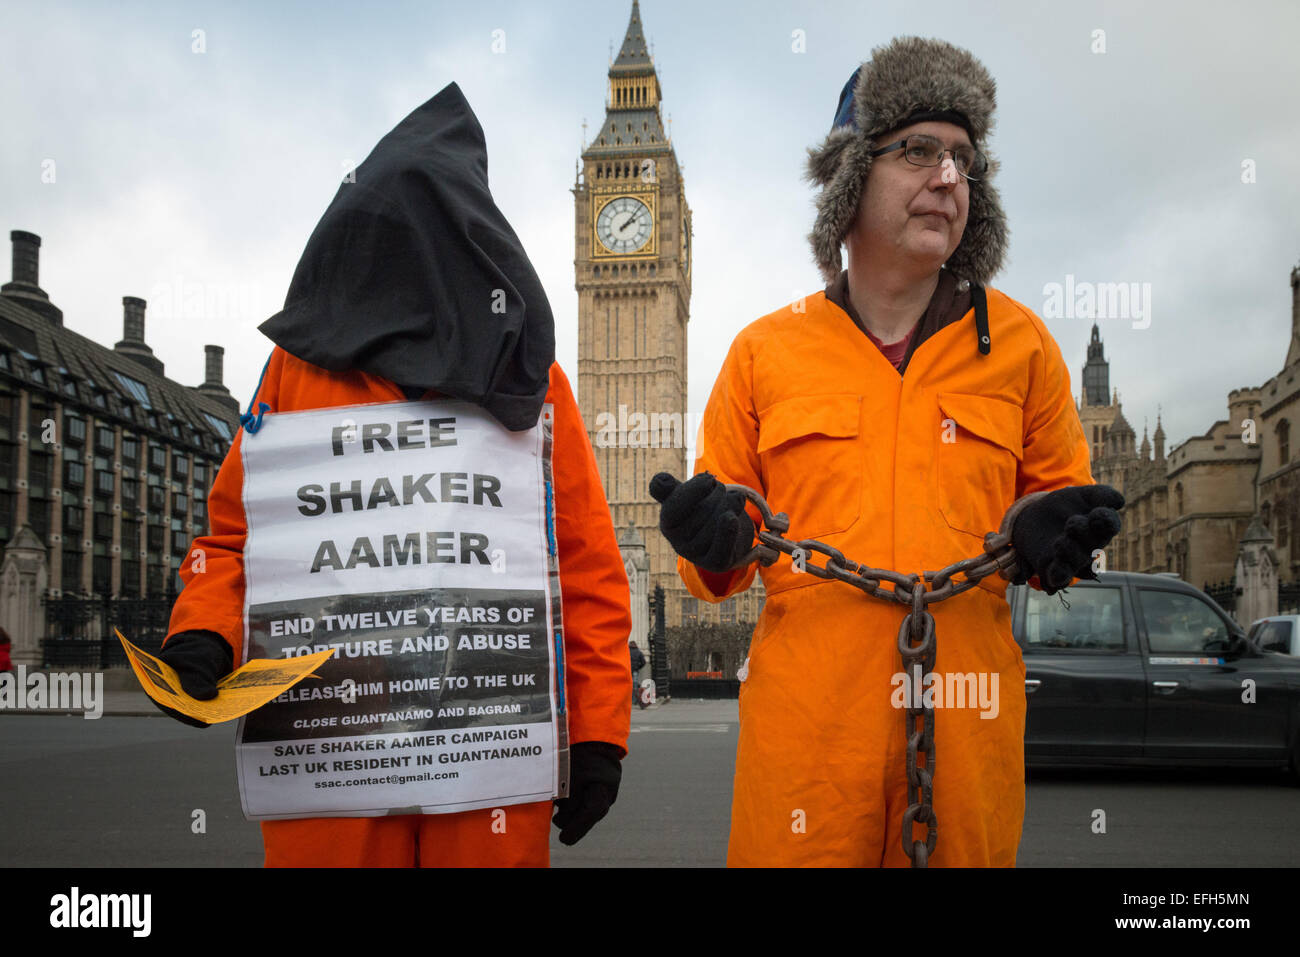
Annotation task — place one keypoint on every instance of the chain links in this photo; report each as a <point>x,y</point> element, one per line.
<point>916,635</point>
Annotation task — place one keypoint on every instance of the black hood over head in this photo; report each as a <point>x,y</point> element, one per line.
<point>413,274</point>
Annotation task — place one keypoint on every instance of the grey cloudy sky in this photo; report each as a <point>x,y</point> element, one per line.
<point>194,179</point>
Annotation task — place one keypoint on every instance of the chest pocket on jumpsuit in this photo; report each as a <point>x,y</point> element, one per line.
<point>812,461</point>
<point>976,458</point>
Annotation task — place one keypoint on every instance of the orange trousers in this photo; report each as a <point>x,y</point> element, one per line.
<point>513,836</point>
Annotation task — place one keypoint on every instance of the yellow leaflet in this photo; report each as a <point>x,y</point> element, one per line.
<point>238,693</point>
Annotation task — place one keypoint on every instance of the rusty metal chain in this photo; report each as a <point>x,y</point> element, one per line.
<point>916,635</point>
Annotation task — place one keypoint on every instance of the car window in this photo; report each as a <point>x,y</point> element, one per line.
<point>1274,636</point>
<point>1179,623</point>
<point>1094,621</point>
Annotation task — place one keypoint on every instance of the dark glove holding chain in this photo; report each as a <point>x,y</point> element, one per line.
<point>1056,535</point>
<point>703,521</point>
<point>594,773</point>
<point>201,659</point>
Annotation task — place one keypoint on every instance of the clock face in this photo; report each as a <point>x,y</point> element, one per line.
<point>624,225</point>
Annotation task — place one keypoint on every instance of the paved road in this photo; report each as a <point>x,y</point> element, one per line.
<point>121,791</point>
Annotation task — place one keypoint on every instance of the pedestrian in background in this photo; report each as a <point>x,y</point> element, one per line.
<point>638,662</point>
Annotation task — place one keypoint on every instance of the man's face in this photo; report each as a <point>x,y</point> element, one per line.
<point>908,213</point>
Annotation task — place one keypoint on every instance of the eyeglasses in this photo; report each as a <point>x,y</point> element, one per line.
<point>922,150</point>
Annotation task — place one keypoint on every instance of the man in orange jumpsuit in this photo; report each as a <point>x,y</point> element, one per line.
<point>414,285</point>
<point>895,416</point>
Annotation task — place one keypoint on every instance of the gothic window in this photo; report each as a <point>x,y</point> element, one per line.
<point>690,611</point>
<point>1284,441</point>
<point>1283,521</point>
<point>1178,499</point>
<point>1266,515</point>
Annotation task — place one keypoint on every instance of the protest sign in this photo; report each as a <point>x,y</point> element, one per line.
<point>415,541</point>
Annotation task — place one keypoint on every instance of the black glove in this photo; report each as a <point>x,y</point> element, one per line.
<point>704,521</point>
<point>1055,536</point>
<point>594,773</point>
<point>200,659</point>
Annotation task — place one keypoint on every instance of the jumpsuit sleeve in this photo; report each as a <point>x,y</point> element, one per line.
<point>212,596</point>
<point>1056,452</point>
<point>727,447</point>
<point>597,604</point>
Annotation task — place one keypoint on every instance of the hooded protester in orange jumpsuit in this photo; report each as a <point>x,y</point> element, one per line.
<point>901,450</point>
<point>414,285</point>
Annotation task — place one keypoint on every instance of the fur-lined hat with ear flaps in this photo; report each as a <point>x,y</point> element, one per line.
<point>909,80</point>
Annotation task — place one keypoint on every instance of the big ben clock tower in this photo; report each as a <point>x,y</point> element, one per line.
<point>633,276</point>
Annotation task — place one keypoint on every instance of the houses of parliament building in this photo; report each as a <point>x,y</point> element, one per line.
<point>1195,510</point>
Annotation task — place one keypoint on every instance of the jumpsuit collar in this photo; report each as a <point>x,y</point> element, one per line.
<point>948,305</point>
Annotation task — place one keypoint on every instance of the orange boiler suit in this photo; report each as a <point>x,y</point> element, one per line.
<point>905,473</point>
<point>597,620</point>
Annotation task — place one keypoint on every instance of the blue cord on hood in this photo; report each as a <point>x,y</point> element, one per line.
<point>250,422</point>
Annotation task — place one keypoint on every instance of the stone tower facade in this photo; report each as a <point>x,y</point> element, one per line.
<point>1096,407</point>
<point>632,264</point>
